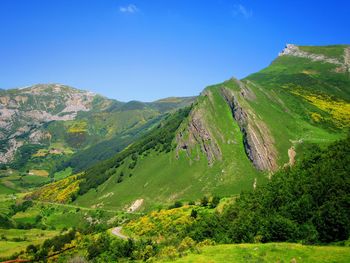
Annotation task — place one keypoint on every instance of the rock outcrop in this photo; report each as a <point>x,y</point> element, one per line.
<point>198,133</point>
<point>257,140</point>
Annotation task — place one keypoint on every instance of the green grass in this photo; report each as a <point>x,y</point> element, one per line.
<point>34,180</point>
<point>5,202</point>
<point>10,182</point>
<point>288,116</point>
<point>24,237</point>
<point>6,190</point>
<point>28,216</point>
<point>59,216</point>
<point>271,252</point>
<point>333,51</point>
<point>63,174</point>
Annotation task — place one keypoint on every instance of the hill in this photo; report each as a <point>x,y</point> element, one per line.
<point>235,135</point>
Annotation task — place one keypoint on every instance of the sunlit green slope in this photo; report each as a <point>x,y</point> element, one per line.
<point>234,136</point>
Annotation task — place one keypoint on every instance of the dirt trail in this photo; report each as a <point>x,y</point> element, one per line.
<point>117,232</point>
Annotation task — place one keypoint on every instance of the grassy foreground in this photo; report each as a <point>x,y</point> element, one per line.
<point>271,252</point>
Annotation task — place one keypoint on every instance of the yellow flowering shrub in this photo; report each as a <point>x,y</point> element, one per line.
<point>161,223</point>
<point>338,109</point>
<point>78,126</point>
<point>61,191</point>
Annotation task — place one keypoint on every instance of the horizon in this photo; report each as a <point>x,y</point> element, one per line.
<point>133,50</point>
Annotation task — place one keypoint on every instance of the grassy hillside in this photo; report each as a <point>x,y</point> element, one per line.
<point>306,204</point>
<point>294,102</point>
<point>272,252</point>
<point>236,134</point>
<point>302,100</point>
<point>185,172</point>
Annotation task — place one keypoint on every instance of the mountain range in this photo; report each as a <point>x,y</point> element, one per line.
<point>101,153</point>
<point>85,178</point>
<point>58,123</point>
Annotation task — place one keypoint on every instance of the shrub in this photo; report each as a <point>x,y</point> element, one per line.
<point>214,201</point>
<point>194,213</point>
<point>204,201</point>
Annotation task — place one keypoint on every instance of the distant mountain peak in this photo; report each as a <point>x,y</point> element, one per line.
<point>53,88</point>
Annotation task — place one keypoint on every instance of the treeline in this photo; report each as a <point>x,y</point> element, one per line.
<point>159,138</point>
<point>308,203</point>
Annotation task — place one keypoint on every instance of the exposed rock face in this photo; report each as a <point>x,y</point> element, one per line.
<point>23,112</point>
<point>198,133</point>
<point>257,140</point>
<point>6,155</point>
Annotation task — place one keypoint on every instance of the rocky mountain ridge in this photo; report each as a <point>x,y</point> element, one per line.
<point>232,138</point>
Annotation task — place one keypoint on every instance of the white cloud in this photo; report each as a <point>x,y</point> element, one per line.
<point>243,11</point>
<point>130,9</point>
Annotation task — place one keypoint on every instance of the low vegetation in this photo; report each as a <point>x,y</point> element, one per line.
<point>271,252</point>
<point>59,200</point>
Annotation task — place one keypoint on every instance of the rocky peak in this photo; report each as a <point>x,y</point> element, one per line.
<point>289,49</point>
<point>294,50</point>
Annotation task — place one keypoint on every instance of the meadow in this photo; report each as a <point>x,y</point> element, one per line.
<point>271,252</point>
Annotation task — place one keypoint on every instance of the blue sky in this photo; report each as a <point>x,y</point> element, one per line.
<point>146,50</point>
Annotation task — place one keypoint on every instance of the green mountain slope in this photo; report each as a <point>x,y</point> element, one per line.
<point>49,127</point>
<point>235,135</point>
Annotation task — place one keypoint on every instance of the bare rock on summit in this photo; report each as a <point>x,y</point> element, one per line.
<point>294,50</point>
